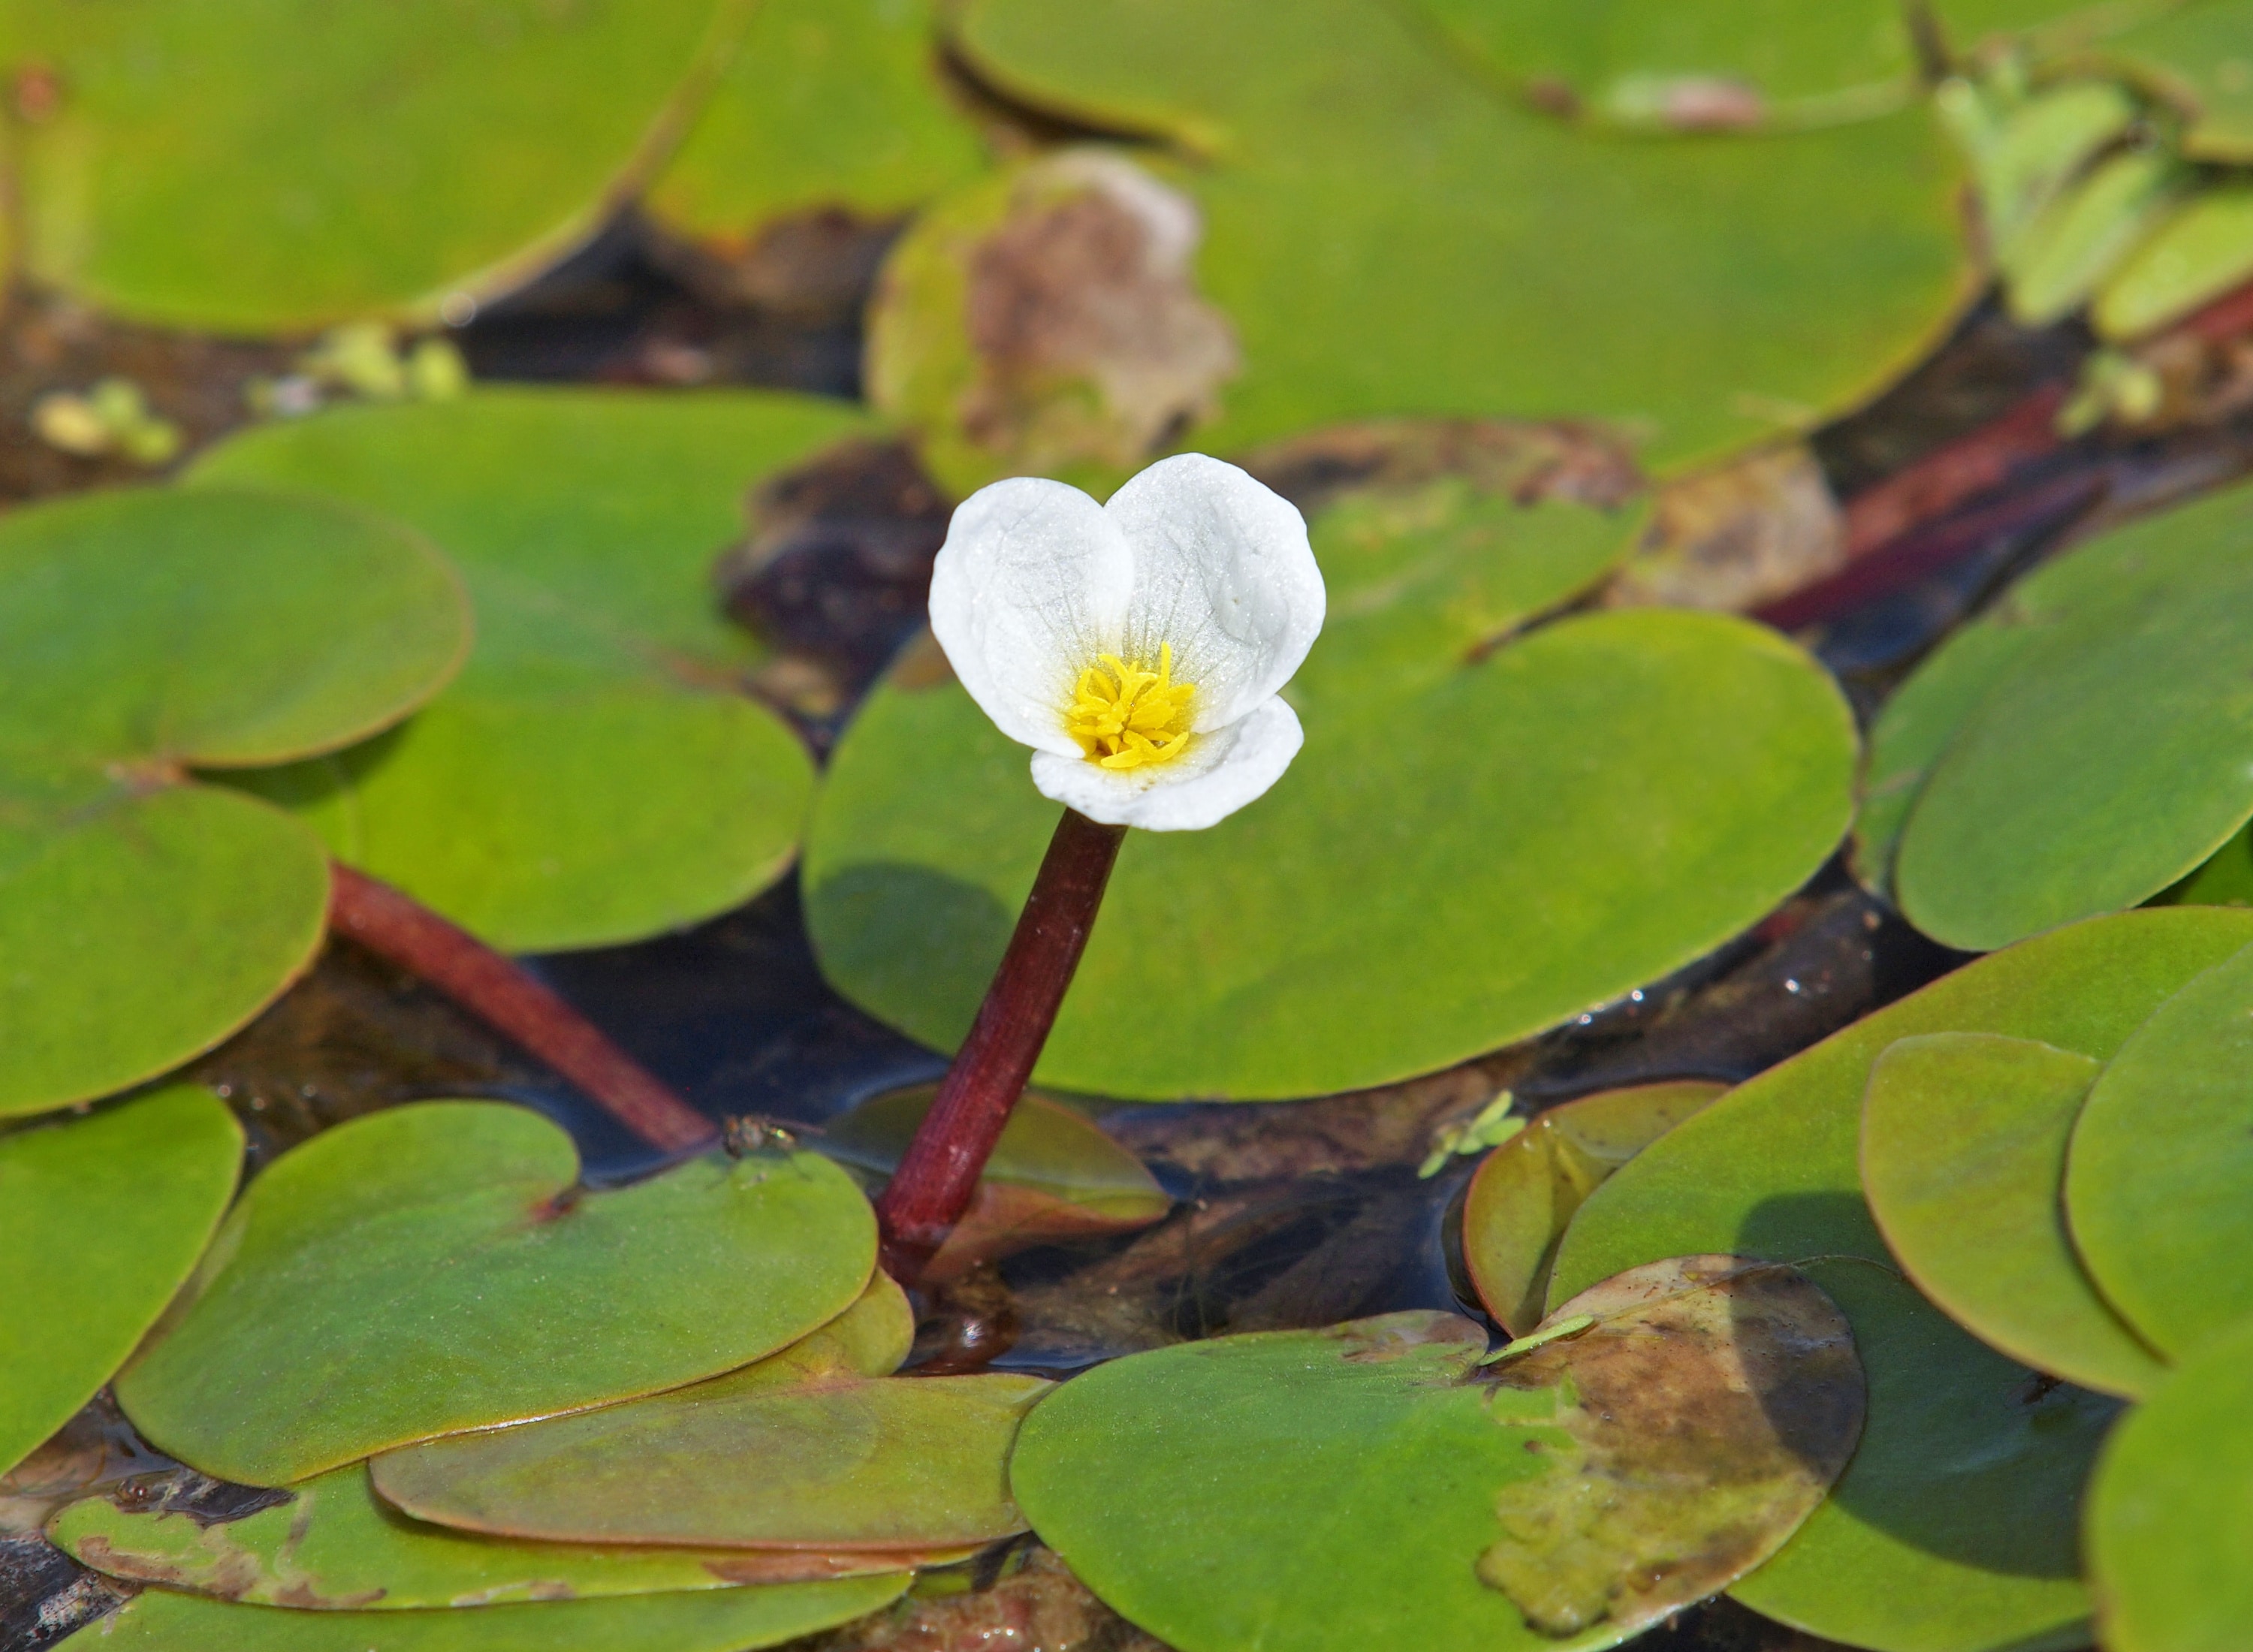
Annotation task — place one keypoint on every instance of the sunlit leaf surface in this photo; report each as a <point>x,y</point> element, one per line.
<point>104,1217</point>
<point>1372,1483</point>
<point>144,634</point>
<point>435,1267</point>
<point>597,773</point>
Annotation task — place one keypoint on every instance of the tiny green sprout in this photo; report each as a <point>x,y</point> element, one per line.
<point>2114,387</point>
<point>1563,1330</point>
<point>1490,1128</point>
<point>113,417</point>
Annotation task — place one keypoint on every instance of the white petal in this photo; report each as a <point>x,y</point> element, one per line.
<point>1031,585</point>
<point>1208,783</point>
<point>1223,571</point>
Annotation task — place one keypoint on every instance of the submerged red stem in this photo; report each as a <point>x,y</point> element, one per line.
<point>935,1179</point>
<point>498,992</point>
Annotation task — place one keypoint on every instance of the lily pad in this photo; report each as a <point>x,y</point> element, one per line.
<point>104,1217</point>
<point>435,1267</point>
<point>597,775</point>
<point>2200,57</point>
<point>1527,1189</point>
<point>1651,64</point>
<point>2195,256</point>
<point>1362,192</point>
<point>823,105</point>
<point>333,1546</point>
<point>1972,1543</point>
<point>1964,1141</point>
<point>2162,1163</point>
<point>846,1456</point>
<point>1372,1483</point>
<point>256,167</point>
<point>706,1620</point>
<point>2225,880</point>
<point>1053,1176</point>
<point>144,634</point>
<point>2083,746</point>
<point>2171,1513</point>
<point>1444,869</point>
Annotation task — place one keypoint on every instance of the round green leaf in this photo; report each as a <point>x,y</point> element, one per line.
<point>1370,1484</point>
<point>269,165</point>
<point>333,1546</point>
<point>1773,1170</point>
<point>2170,1512</point>
<point>1363,192</point>
<point>1963,1138</point>
<point>2083,746</point>
<point>596,775</point>
<point>105,1216</point>
<point>705,1621</point>
<point>2197,254</point>
<point>1954,1528</point>
<point>849,1457</point>
<point>1524,1194</point>
<point>142,917</point>
<point>435,1268</point>
<point>2197,58</point>
<point>2162,1163</point>
<point>825,104</point>
<point>1443,870</point>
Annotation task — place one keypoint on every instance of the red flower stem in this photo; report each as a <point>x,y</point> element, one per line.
<point>940,1173</point>
<point>499,993</point>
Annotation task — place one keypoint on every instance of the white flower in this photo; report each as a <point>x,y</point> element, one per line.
<point>1136,646</point>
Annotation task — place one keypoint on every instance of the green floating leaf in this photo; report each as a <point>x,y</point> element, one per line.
<point>2172,1505</point>
<point>1443,870</point>
<point>104,1217</point>
<point>259,167</point>
<point>1527,1189</point>
<point>1964,1141</point>
<point>1363,192</point>
<point>1653,63</point>
<point>2225,880</point>
<point>434,1267</point>
<point>2083,746</point>
<point>2194,257</point>
<point>1972,1546</point>
<point>143,633</point>
<point>596,775</point>
<point>2199,56</point>
<point>706,1620</point>
<point>1053,1176</point>
<point>334,1546</point>
<point>824,105</point>
<point>2081,237</point>
<point>1368,1484</point>
<point>2162,1162</point>
<point>848,1456</point>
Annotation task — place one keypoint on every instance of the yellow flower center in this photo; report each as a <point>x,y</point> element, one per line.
<point>1125,717</point>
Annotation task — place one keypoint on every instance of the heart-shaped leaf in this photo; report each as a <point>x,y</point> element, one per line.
<point>703,1621</point>
<point>332,1545</point>
<point>1371,1484</point>
<point>144,634</point>
<point>105,1216</point>
<point>2083,746</point>
<point>597,775</point>
<point>435,1267</point>
<point>1949,1557</point>
<point>1361,922</point>
<point>2162,1165</point>
<point>1053,1176</point>
<point>848,1456</point>
<point>2170,1506</point>
<point>256,167</point>
<point>1964,1139</point>
<point>1525,1193</point>
<point>1359,191</point>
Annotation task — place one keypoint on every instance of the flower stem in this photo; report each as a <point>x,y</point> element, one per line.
<point>940,1173</point>
<point>498,992</point>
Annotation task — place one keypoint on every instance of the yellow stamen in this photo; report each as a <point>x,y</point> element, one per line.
<point>1125,717</point>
